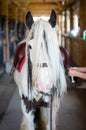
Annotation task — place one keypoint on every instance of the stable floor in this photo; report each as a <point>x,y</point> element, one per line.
<point>72,113</point>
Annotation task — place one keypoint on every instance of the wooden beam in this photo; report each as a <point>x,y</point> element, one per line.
<point>43,5</point>
<point>42,9</point>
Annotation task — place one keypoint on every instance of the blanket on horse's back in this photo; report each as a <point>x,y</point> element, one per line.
<point>65,57</point>
<point>19,54</point>
<point>19,57</point>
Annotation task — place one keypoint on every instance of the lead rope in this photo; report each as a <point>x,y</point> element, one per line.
<point>51,113</point>
<point>51,110</point>
<point>29,73</point>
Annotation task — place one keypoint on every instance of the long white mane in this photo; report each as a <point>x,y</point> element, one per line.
<point>45,49</point>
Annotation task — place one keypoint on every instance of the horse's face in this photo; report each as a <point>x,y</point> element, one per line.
<point>40,43</point>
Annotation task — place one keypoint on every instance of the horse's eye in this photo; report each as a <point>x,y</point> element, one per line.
<point>29,47</point>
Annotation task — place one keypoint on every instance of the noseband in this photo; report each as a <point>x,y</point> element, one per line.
<point>42,65</point>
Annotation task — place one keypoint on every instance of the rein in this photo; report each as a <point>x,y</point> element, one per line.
<point>51,112</point>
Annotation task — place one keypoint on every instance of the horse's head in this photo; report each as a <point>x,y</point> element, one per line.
<point>44,52</point>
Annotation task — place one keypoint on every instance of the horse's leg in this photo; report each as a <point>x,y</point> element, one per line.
<point>22,125</point>
<point>57,110</point>
<point>57,121</point>
<point>28,120</point>
<point>54,120</point>
<point>28,123</point>
<point>48,119</point>
<point>44,121</point>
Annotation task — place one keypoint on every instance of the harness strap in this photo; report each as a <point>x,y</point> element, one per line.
<point>53,90</point>
<point>33,104</point>
<point>12,70</point>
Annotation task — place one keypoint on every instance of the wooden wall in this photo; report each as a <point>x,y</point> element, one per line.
<point>82,16</point>
<point>77,49</point>
<point>76,45</point>
<point>13,27</point>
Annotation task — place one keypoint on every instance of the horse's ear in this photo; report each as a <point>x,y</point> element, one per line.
<point>52,19</point>
<point>29,20</point>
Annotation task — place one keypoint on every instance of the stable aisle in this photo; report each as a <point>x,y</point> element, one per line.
<point>72,114</point>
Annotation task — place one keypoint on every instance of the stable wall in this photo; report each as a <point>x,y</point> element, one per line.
<point>77,49</point>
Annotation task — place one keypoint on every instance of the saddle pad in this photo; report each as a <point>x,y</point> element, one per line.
<point>19,67</point>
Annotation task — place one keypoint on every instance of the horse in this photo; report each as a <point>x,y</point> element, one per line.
<point>38,71</point>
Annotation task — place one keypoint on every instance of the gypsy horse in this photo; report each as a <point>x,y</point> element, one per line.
<point>39,74</point>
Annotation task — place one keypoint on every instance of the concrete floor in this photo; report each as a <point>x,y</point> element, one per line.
<point>72,114</point>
